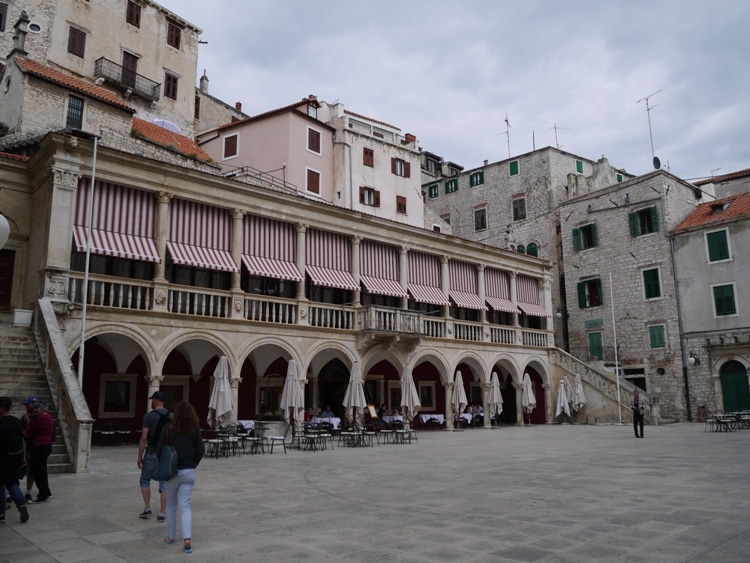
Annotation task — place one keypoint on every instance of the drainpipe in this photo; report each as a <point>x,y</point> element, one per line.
<point>679,327</point>
<point>89,218</point>
<point>351,180</point>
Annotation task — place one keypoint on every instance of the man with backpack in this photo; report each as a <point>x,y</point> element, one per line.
<point>152,425</point>
<point>12,457</point>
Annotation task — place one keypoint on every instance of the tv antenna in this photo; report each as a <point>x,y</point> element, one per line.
<point>714,170</point>
<point>507,132</point>
<point>657,163</point>
<point>555,128</point>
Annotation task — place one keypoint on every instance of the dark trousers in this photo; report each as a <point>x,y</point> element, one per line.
<point>637,421</point>
<point>9,478</point>
<point>38,469</point>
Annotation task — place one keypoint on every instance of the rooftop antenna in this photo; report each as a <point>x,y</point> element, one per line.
<point>555,128</point>
<point>657,162</point>
<point>507,132</point>
<point>714,170</point>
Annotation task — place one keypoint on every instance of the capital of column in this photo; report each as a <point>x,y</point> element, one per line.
<point>404,250</point>
<point>164,197</point>
<point>238,213</point>
<point>513,274</point>
<point>444,259</point>
<point>480,268</point>
<point>154,380</point>
<point>356,239</point>
<point>301,227</point>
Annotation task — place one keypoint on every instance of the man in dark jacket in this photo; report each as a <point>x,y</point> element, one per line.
<point>12,457</point>
<point>40,431</point>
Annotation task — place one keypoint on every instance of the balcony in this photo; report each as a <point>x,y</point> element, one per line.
<point>130,82</point>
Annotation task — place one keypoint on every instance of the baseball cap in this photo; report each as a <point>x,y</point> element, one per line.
<point>30,399</point>
<point>159,396</point>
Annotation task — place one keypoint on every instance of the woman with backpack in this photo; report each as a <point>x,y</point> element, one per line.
<point>183,434</point>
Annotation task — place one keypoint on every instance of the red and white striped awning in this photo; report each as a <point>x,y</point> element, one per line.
<point>119,245</point>
<point>391,288</point>
<point>527,289</point>
<point>270,268</point>
<point>499,304</point>
<point>331,278</point>
<point>467,300</point>
<point>201,257</point>
<point>427,294</point>
<point>533,310</point>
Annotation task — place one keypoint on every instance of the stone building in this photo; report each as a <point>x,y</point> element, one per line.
<point>734,183</point>
<point>711,256</point>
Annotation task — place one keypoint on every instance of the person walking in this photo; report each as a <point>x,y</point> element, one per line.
<point>151,427</point>
<point>30,404</point>
<point>637,413</point>
<point>184,435</point>
<point>40,431</point>
<point>12,457</point>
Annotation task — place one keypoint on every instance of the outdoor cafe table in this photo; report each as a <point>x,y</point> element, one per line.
<point>321,419</point>
<point>388,419</point>
<point>427,417</point>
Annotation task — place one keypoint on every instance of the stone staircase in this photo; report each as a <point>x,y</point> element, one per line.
<point>22,374</point>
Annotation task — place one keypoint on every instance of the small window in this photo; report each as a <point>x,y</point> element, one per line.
<point>3,15</point>
<point>133,14</point>
<point>313,140</point>
<point>717,243</point>
<point>584,237</point>
<point>480,219</point>
<point>197,109</point>
<point>521,249</point>
<point>174,33</point>
<point>170,85</point>
<point>436,228</point>
<point>519,209</point>
<point>400,204</point>
<point>432,166</point>
<point>76,42</point>
<point>656,338</point>
<point>231,146</point>
<point>514,168</point>
<point>369,196</point>
<point>75,113</point>
<point>312,111</point>
<point>400,167</point>
<point>451,186</point>
<point>619,177</point>
<point>433,191</point>
<point>579,166</point>
<point>643,221</point>
<point>476,178</point>
<point>446,217</point>
<point>368,157</point>
<point>532,249</point>
<point>651,284</point>
<point>313,181</point>
<point>590,293</point>
<point>724,303</point>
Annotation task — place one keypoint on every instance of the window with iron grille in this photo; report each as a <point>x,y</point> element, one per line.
<point>313,140</point>
<point>170,85</point>
<point>368,156</point>
<point>76,42</point>
<point>400,204</point>
<point>75,113</point>
<point>174,33</point>
<point>133,14</point>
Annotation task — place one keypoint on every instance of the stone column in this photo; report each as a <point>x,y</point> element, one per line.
<point>549,413</point>
<point>445,280</point>
<point>235,384</point>
<point>403,265</point>
<point>449,405</point>
<point>356,241</point>
<point>154,382</point>
<point>514,296</point>
<point>481,292</point>
<point>314,381</point>
<point>301,258</point>
<point>486,405</point>
<point>162,226</point>
<point>519,403</point>
<point>545,298</point>
<point>238,216</point>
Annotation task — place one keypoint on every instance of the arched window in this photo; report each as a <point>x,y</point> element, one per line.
<point>520,249</point>
<point>532,249</point>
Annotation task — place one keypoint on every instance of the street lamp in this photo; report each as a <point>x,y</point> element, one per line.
<point>693,360</point>
<point>4,231</point>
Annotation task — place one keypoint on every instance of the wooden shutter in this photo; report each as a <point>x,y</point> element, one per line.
<point>362,195</point>
<point>76,42</point>
<point>230,146</point>
<point>599,296</point>
<point>376,198</point>
<point>576,239</point>
<point>393,165</point>
<point>594,236</point>
<point>654,219</point>
<point>582,295</point>
<point>407,169</point>
<point>633,224</point>
<point>313,182</point>
<point>313,140</point>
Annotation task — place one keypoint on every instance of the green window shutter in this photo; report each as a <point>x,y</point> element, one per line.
<point>581,295</point>
<point>652,288</point>
<point>594,236</point>
<point>633,224</point>
<point>656,336</point>
<point>513,168</point>
<point>576,239</point>
<point>718,248</point>
<point>481,177</point>
<point>532,249</point>
<point>724,300</point>
<point>521,249</point>
<point>599,292</point>
<point>654,219</point>
<point>579,166</point>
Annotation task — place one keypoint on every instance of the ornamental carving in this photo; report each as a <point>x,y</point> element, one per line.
<point>238,305</point>
<point>65,178</point>
<point>56,287</point>
<point>160,297</point>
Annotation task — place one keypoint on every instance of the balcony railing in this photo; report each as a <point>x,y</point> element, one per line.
<point>127,79</point>
<point>110,292</point>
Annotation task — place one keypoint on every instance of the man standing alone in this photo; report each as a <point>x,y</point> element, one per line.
<point>12,456</point>
<point>637,413</point>
<point>153,422</point>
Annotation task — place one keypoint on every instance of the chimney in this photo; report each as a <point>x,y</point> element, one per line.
<point>238,106</point>
<point>19,37</point>
<point>204,82</point>
<point>409,138</point>
<point>486,162</point>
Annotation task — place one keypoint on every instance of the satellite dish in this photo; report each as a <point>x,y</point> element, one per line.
<point>657,163</point>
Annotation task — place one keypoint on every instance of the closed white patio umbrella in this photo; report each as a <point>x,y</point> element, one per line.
<point>220,405</point>
<point>569,393</point>
<point>562,401</point>
<point>495,397</point>
<point>292,400</point>
<point>354,398</point>
<point>528,400</point>
<point>459,395</point>
<point>579,399</point>
<point>410,403</point>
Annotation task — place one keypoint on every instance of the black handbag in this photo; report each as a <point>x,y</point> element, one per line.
<point>166,466</point>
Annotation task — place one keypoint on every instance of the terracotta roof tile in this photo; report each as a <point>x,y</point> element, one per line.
<point>169,139</point>
<point>50,74</point>
<point>18,157</point>
<point>718,211</point>
<point>290,107</point>
<point>725,177</point>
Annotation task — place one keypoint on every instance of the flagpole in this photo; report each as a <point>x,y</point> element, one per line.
<point>614,331</point>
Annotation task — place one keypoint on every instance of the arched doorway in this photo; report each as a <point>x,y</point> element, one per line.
<point>734,387</point>
<point>509,414</point>
<point>333,379</point>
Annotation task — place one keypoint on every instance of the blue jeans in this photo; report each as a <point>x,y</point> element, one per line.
<point>147,469</point>
<point>180,488</point>
<point>8,476</point>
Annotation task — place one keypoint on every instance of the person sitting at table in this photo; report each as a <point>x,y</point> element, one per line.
<point>381,411</point>
<point>328,413</point>
<point>308,415</point>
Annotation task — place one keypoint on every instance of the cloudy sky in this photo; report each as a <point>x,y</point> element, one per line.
<point>450,71</point>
